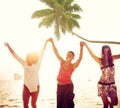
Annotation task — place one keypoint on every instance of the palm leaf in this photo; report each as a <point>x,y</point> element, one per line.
<point>50,3</point>
<point>47,21</point>
<point>41,13</point>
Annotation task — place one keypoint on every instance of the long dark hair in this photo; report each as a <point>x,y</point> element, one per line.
<point>110,61</point>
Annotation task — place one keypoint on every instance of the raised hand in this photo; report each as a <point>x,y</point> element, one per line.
<point>6,44</point>
<point>50,39</point>
<point>82,43</point>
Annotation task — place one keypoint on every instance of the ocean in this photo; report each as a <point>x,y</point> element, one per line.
<point>85,94</point>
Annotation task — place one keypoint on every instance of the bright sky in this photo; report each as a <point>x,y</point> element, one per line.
<point>100,21</point>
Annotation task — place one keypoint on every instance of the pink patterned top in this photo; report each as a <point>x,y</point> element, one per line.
<point>108,73</point>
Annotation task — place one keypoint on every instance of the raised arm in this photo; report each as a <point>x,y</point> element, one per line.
<point>43,49</point>
<point>41,53</point>
<point>115,57</point>
<point>55,49</point>
<point>13,53</point>
<point>76,64</point>
<point>97,59</point>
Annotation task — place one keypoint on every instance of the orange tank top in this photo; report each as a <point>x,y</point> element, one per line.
<point>64,76</point>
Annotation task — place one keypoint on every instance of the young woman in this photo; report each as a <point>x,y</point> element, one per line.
<point>65,86</point>
<point>31,76</point>
<point>106,85</point>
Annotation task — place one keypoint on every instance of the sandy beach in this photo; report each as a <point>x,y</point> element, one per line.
<point>85,96</point>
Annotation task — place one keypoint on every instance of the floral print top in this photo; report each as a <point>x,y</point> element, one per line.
<point>108,73</point>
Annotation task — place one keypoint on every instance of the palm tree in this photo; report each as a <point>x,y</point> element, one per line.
<point>61,14</point>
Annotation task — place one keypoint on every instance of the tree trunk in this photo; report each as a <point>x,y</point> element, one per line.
<point>96,41</point>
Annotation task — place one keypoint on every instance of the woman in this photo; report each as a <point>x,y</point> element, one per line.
<point>65,86</point>
<point>31,76</point>
<point>106,85</point>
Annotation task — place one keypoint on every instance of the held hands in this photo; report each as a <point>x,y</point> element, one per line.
<point>50,40</point>
<point>82,43</point>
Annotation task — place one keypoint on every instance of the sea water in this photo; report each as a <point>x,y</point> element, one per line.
<point>85,94</point>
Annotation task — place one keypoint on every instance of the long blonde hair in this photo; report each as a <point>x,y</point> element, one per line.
<point>32,57</point>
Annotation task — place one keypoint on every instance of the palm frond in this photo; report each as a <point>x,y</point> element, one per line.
<point>73,23</point>
<point>47,21</point>
<point>68,2</point>
<point>58,8</point>
<point>77,8</point>
<point>73,8</point>
<point>41,13</point>
<point>50,3</point>
<point>75,16</point>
